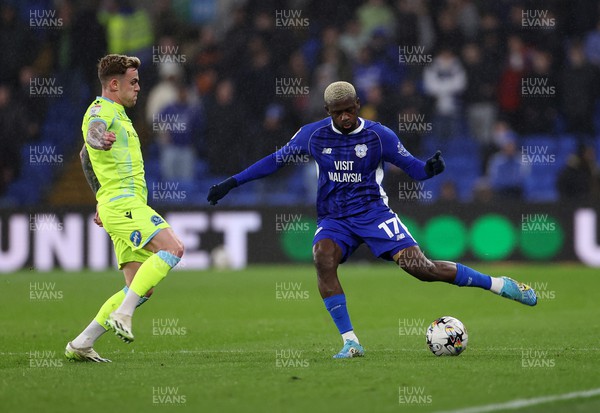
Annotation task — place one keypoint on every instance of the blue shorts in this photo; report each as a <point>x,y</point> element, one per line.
<point>379,228</point>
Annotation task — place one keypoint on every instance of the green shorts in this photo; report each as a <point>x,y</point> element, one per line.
<point>131,224</point>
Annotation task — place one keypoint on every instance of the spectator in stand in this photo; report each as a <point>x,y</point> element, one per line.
<point>445,80</point>
<point>299,103</point>
<point>592,45</point>
<point>448,192</point>
<point>480,95</point>
<point>501,134</point>
<point>258,76</point>
<point>579,180</point>
<point>128,29</point>
<point>506,172</point>
<point>539,102</point>
<point>34,108</point>
<point>352,39</point>
<point>491,40</point>
<point>180,133</point>
<point>449,35</point>
<point>226,122</point>
<point>367,72</point>
<point>414,117</point>
<point>165,92</point>
<point>467,17</point>
<point>90,44</point>
<point>373,105</point>
<point>375,14</point>
<point>12,124</point>
<point>16,43</point>
<point>579,92</point>
<point>414,24</point>
<point>509,86</point>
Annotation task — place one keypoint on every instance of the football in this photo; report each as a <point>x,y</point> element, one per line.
<point>447,336</point>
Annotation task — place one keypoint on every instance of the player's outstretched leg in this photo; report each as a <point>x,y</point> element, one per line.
<point>168,251</point>
<point>82,347</point>
<point>413,261</point>
<point>327,255</point>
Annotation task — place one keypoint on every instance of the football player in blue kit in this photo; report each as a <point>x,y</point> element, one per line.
<point>352,205</point>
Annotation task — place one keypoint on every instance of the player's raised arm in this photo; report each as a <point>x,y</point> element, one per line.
<point>98,138</point>
<point>264,167</point>
<point>395,153</point>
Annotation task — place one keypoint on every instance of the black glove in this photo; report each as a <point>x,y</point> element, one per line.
<point>221,189</point>
<point>435,165</point>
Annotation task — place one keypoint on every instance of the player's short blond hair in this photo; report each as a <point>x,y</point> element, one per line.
<point>113,65</point>
<point>338,91</point>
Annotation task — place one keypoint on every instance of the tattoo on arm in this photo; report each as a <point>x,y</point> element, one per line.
<point>88,171</point>
<point>95,134</point>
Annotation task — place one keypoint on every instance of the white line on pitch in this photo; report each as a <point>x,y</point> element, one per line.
<point>519,403</point>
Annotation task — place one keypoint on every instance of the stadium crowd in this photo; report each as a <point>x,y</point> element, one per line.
<point>227,82</point>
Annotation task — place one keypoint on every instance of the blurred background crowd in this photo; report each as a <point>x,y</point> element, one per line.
<point>507,89</point>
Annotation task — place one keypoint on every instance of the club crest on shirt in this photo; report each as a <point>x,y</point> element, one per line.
<point>361,150</point>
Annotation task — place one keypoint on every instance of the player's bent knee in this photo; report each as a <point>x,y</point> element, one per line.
<point>324,257</point>
<point>179,250</point>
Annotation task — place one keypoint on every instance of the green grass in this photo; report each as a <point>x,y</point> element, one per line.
<point>234,336</point>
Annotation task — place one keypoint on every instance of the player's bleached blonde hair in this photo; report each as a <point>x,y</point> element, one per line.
<point>338,91</point>
<point>115,65</point>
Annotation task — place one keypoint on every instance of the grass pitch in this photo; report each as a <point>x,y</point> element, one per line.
<point>261,340</point>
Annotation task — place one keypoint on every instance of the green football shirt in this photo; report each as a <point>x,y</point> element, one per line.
<point>120,170</point>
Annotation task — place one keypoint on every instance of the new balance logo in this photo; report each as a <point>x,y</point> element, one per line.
<point>327,151</point>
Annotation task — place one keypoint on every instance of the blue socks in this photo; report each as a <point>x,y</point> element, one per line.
<point>336,305</point>
<point>468,277</point>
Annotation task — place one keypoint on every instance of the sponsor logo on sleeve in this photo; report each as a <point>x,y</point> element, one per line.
<point>156,220</point>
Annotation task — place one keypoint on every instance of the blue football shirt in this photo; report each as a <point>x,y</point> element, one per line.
<point>350,166</point>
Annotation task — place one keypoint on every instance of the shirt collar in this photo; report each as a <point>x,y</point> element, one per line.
<point>112,101</point>
<point>361,125</point>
